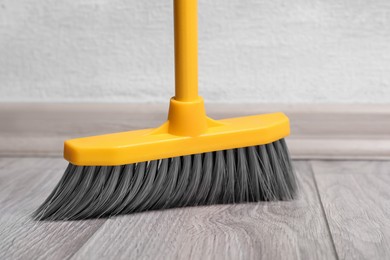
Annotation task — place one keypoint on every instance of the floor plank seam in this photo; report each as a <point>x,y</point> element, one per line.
<point>323,210</point>
<point>86,241</point>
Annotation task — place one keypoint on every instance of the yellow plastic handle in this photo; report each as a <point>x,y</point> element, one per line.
<point>186,50</point>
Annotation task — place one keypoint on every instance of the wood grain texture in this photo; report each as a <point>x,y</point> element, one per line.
<point>317,131</point>
<point>356,199</point>
<point>24,184</point>
<point>273,230</point>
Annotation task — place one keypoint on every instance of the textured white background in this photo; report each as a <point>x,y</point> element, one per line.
<point>307,51</point>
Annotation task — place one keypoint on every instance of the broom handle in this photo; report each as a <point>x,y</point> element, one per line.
<point>186,50</point>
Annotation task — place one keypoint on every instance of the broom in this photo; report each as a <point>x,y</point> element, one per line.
<point>189,160</point>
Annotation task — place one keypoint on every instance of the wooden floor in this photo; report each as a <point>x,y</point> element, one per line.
<point>343,212</point>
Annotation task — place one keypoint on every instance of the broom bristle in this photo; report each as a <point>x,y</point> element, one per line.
<point>256,173</point>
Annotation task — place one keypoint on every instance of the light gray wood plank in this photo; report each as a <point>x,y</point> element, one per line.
<point>317,130</point>
<point>269,230</point>
<point>356,199</point>
<point>341,147</point>
<point>6,161</point>
<point>24,184</point>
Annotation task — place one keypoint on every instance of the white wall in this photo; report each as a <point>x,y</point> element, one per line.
<point>335,51</point>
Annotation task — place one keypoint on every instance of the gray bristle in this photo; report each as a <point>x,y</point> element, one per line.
<point>257,173</point>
